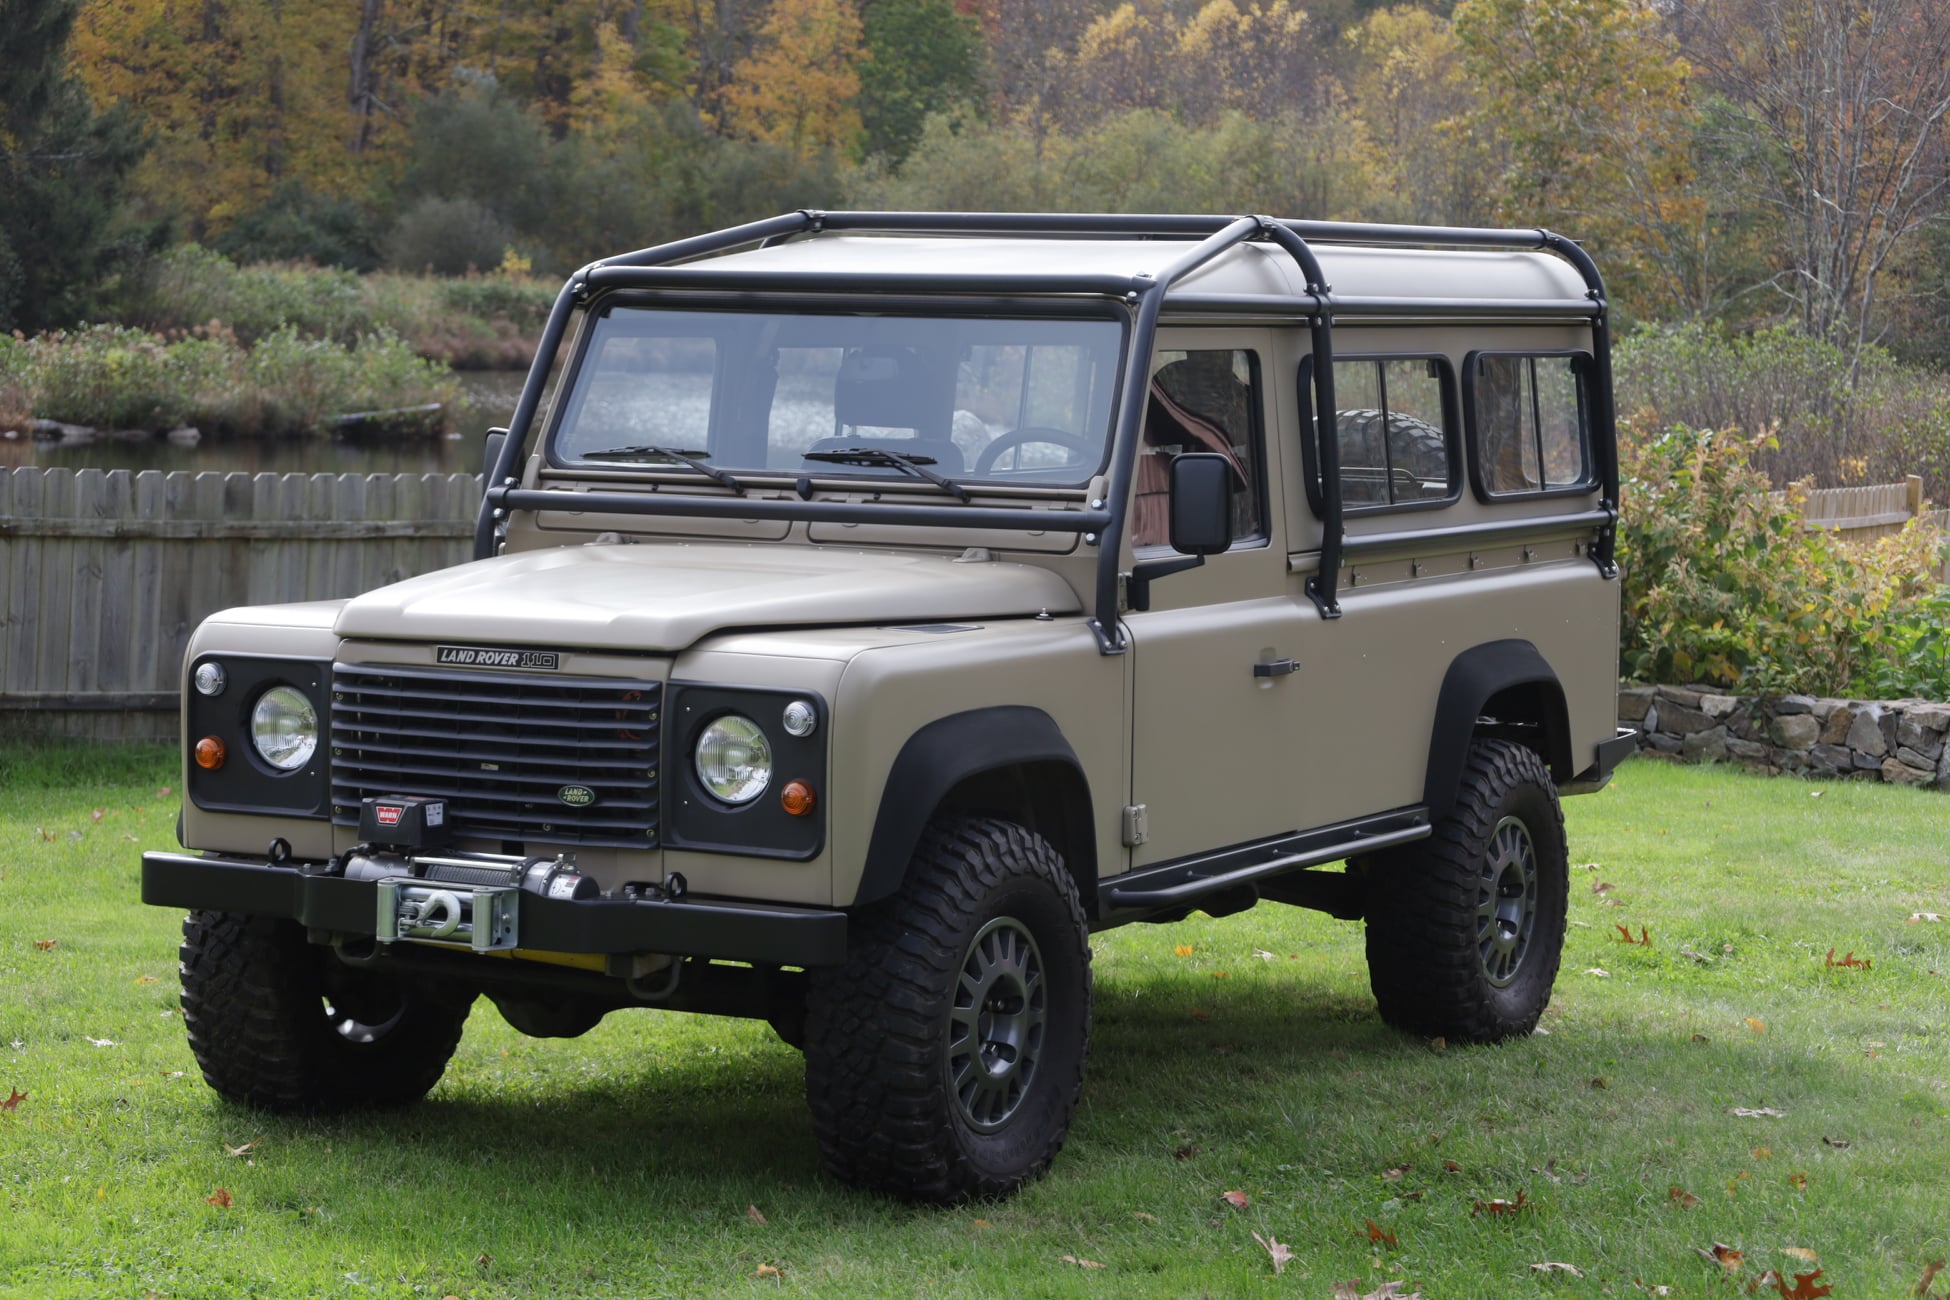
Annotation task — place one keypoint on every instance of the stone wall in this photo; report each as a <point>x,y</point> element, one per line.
<point>1900,741</point>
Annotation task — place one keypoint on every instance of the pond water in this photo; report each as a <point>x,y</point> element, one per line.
<point>488,399</point>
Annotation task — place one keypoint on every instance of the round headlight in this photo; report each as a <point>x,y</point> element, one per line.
<point>284,728</point>
<point>734,759</point>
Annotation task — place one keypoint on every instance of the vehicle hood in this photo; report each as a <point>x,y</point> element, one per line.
<point>660,597</point>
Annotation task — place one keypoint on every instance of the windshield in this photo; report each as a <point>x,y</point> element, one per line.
<point>1003,399</point>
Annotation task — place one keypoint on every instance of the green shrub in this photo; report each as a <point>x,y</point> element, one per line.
<point>1724,586</point>
<point>448,237</point>
<point>288,383</point>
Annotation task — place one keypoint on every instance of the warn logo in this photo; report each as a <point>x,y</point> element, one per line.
<point>474,656</point>
<point>387,813</point>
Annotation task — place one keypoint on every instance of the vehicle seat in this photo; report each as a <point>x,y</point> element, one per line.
<point>883,397</point>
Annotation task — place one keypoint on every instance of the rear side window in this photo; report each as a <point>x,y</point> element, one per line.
<point>1527,422</point>
<point>1392,422</point>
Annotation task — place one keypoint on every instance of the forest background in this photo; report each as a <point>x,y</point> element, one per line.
<point>299,197</point>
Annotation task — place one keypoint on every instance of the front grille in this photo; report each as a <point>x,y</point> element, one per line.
<point>502,750</point>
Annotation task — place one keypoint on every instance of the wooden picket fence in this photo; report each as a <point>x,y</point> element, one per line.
<point>104,574</point>
<point>1862,514</point>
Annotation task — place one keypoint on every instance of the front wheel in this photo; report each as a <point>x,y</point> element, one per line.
<point>283,1025</point>
<point>944,1060</point>
<point>1466,928</point>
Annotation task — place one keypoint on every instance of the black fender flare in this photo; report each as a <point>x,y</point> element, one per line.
<point>1475,677</point>
<point>950,751</point>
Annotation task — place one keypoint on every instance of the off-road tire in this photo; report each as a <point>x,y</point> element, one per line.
<point>987,912</point>
<point>1463,941</point>
<point>256,998</point>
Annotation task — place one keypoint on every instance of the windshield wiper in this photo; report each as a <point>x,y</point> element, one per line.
<point>646,451</point>
<point>881,456</point>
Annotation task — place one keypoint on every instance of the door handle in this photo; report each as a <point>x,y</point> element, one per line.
<point>1278,668</point>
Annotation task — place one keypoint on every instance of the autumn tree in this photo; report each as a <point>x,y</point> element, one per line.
<point>799,87</point>
<point>1835,123</point>
<point>1587,108</point>
<point>62,169</point>
<point>922,57</point>
<point>1414,102</point>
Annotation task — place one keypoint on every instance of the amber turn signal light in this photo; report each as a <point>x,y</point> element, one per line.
<point>796,798</point>
<point>210,753</point>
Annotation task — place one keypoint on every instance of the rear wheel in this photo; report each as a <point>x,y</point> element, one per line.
<point>1466,928</point>
<point>944,1060</point>
<point>281,1024</point>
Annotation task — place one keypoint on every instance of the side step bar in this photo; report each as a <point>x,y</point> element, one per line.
<point>1189,879</point>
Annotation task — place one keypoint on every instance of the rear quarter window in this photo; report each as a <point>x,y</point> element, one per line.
<point>1528,423</point>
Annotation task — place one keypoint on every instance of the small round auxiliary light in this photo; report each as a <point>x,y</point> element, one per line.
<point>796,798</point>
<point>210,678</point>
<point>800,718</point>
<point>210,753</point>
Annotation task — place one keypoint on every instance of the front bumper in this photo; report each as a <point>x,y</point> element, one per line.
<point>763,934</point>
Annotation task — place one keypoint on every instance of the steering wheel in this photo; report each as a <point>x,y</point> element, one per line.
<point>1079,447</point>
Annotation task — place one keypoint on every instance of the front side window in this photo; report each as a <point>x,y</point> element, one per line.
<point>1392,426</point>
<point>1006,399</point>
<point>1203,400</point>
<point>1527,423</point>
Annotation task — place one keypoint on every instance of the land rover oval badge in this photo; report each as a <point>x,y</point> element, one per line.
<point>576,796</point>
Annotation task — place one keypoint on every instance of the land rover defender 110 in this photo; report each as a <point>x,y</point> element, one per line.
<point>877,605</point>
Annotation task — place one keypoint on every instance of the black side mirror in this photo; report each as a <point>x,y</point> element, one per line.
<point>1201,503</point>
<point>491,453</point>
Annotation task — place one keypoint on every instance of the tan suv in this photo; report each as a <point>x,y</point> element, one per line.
<point>878,605</point>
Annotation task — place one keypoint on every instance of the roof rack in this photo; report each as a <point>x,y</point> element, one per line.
<point>671,265</point>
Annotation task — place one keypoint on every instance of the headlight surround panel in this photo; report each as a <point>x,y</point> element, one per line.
<point>695,818</point>
<point>247,782</point>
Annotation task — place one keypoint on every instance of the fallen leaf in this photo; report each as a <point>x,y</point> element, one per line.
<point>1438,1044</point>
<point>1701,1038</point>
<point>145,979</point>
<point>1599,1082</point>
<point>47,945</point>
<point>1135,1214</point>
<point>1924,916</point>
<point>1600,886</point>
<point>1451,1167</point>
<point>1840,1144</point>
<point>1277,1249</point>
<point>1798,1181</point>
<point>1351,1290</point>
<point>1816,794</point>
<point>981,1223</point>
<point>1679,1196</point>
<point>753,1213</point>
<point>1724,1255</point>
<point>1801,1253</point>
<point>44,833</point>
<point>1755,1112</point>
<point>1237,1200</point>
<point>1381,1236</point>
<point>1849,960</point>
<point>1625,936</point>
<point>97,814</point>
<point>1700,957</point>
<point>1501,1206</point>
<point>1762,1153</point>
<point>1599,971</point>
<point>1587,866</point>
<point>1806,1286</point>
<point>133,839</point>
<point>1649,1289</point>
<point>221,1199</point>
<point>165,792</point>
<point>1930,1270</point>
<point>244,1150</point>
<point>13,1100</point>
<point>1220,975</point>
<point>769,1270</point>
<point>1201,1015</point>
<point>1262,954</point>
<point>482,1261</point>
<point>1184,1153</point>
<point>1552,1266</point>
<point>1395,1175</point>
<point>1183,950</point>
<point>1080,1263</point>
<point>1758,1026</point>
<point>102,1042</point>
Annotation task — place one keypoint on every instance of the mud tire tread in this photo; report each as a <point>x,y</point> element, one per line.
<point>252,1001</point>
<point>1423,962</point>
<point>881,1110</point>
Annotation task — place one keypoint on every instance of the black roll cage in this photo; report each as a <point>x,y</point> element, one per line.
<point>1103,523</point>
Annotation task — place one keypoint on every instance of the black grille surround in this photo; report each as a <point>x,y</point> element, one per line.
<point>514,754</point>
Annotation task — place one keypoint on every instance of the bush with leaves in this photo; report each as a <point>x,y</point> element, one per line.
<point>115,377</point>
<point>1724,586</point>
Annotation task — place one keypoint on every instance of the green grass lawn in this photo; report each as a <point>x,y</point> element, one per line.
<point>1236,1055</point>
